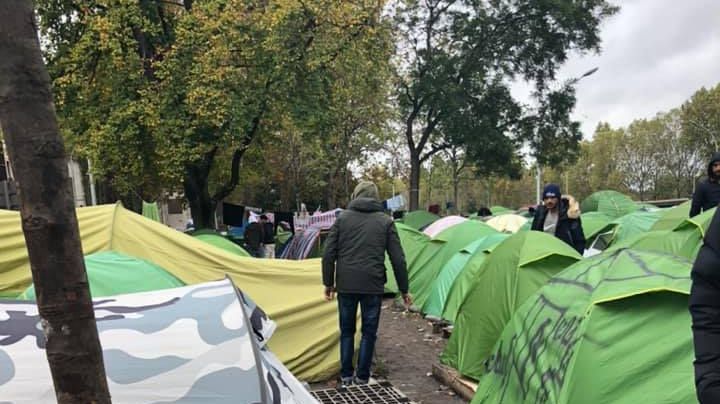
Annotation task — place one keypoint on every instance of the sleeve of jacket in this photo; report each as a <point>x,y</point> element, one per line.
<point>536,225</point>
<point>330,255</point>
<point>397,258</point>
<point>579,236</point>
<point>697,200</point>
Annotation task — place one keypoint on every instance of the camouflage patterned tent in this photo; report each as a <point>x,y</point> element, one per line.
<point>195,344</point>
<point>307,340</point>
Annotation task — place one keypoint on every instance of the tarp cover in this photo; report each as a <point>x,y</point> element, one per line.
<point>192,345</point>
<point>307,340</point>
<point>613,328</point>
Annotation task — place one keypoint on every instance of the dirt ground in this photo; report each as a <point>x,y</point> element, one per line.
<point>405,351</point>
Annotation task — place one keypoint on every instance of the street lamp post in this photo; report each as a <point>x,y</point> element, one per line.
<point>538,177</point>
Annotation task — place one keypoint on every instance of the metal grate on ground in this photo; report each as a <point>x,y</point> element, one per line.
<point>373,393</point>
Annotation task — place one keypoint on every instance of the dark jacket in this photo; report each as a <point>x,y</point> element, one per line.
<point>707,193</point>
<point>705,312</point>
<point>354,257</point>
<point>268,233</point>
<point>569,227</point>
<point>254,235</point>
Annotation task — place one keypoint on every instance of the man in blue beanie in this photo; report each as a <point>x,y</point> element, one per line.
<point>560,216</point>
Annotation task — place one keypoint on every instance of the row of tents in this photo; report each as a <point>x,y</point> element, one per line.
<point>530,315</point>
<point>126,253</point>
<point>536,322</point>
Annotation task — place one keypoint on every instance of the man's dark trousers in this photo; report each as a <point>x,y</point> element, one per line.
<point>370,313</point>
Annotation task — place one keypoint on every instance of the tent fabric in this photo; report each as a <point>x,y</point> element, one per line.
<point>509,223</point>
<point>593,223</point>
<point>441,224</point>
<point>611,203</point>
<point>307,339</point>
<point>413,242</point>
<point>218,360</point>
<point>302,244</point>
<point>150,210</point>
<point>423,272</point>
<point>670,218</point>
<point>419,219</point>
<point>614,328</point>
<point>95,224</point>
<point>110,273</point>
<point>684,241</point>
<point>221,242</point>
<point>441,286</point>
<point>629,226</point>
<point>516,269</point>
<point>464,280</point>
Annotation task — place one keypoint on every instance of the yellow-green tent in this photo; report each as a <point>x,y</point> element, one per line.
<point>290,292</point>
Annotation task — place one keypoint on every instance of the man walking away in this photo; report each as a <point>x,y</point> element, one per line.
<point>707,193</point>
<point>705,312</point>
<point>560,216</point>
<point>353,264</point>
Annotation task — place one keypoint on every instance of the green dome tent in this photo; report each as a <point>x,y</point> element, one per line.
<point>413,242</point>
<point>684,241</point>
<point>419,219</point>
<point>434,304</point>
<point>672,217</point>
<point>452,285</point>
<point>611,203</point>
<point>423,271</point>
<point>111,273</point>
<point>220,242</point>
<point>593,223</point>
<point>516,269</point>
<point>626,227</point>
<point>613,328</point>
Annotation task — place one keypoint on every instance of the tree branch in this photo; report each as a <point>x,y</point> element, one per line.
<point>434,150</point>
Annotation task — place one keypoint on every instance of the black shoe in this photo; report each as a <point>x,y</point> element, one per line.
<point>346,381</point>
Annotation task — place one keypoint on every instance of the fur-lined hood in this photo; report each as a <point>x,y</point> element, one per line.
<point>573,207</point>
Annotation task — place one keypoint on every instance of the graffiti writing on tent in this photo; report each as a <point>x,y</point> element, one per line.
<point>552,327</point>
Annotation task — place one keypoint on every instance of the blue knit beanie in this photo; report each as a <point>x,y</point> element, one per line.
<point>551,191</point>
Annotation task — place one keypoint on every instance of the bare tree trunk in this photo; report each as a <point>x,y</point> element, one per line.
<point>414,181</point>
<point>27,115</point>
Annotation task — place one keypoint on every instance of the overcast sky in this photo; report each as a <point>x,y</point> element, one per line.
<point>655,55</point>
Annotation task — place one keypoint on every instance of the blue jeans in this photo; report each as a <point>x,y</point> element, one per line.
<point>370,312</point>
